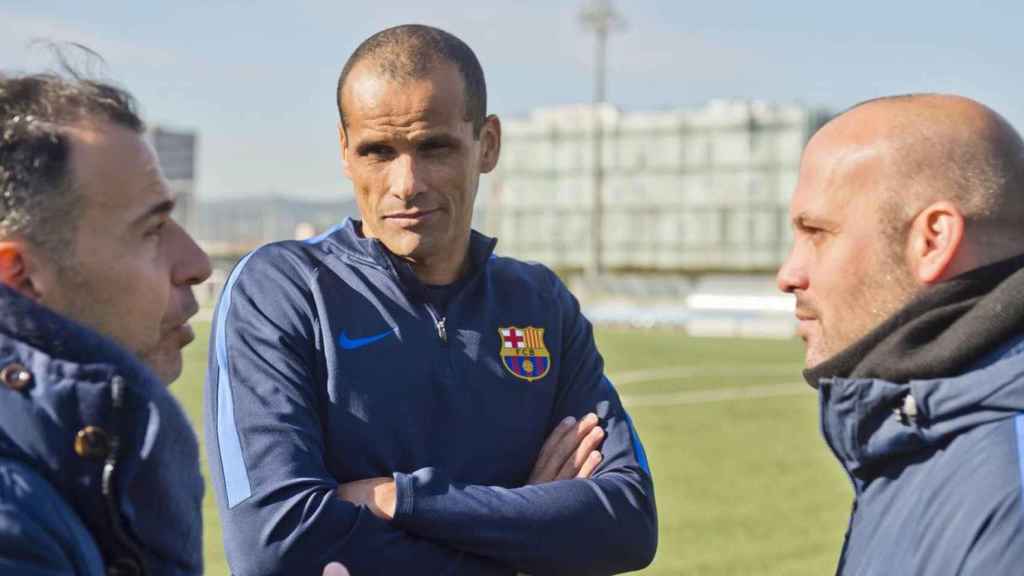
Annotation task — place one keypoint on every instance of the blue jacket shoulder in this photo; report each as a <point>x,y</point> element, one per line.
<point>533,274</point>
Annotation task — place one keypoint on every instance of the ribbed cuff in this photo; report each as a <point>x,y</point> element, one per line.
<point>404,496</point>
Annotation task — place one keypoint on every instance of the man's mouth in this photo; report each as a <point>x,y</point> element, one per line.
<point>407,218</point>
<point>180,330</point>
<point>805,319</point>
<point>804,312</point>
<point>185,334</point>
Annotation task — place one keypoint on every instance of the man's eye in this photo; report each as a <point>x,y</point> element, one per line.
<point>433,147</point>
<point>375,151</point>
<point>815,234</point>
<point>155,230</point>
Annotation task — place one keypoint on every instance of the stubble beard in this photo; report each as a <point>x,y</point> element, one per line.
<point>882,294</point>
<point>92,307</point>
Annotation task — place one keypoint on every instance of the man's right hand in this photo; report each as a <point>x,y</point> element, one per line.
<point>571,451</point>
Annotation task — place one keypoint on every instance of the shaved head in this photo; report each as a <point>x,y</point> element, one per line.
<point>894,195</point>
<point>932,147</point>
<point>411,52</point>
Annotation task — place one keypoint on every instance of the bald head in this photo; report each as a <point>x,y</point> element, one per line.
<point>412,52</point>
<point>896,195</point>
<point>933,147</point>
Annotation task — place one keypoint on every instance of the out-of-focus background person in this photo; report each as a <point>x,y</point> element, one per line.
<point>99,469</point>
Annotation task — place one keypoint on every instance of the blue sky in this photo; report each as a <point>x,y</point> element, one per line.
<point>257,78</point>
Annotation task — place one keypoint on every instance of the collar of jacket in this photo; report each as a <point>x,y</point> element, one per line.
<point>73,373</point>
<point>371,251</point>
<point>62,339</point>
<point>957,351</point>
<point>943,331</point>
<point>862,421</point>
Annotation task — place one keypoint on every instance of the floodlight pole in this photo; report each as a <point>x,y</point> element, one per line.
<point>600,17</point>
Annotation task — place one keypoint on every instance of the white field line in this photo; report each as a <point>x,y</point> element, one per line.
<point>671,373</point>
<point>707,396</point>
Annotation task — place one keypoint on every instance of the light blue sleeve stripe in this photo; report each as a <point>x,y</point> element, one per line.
<point>236,477</point>
<point>325,235</point>
<point>638,448</point>
<point>1018,423</point>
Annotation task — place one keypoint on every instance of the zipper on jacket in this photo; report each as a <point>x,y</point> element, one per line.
<point>127,560</point>
<point>442,332</point>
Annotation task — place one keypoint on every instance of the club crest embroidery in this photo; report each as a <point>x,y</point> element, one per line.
<point>523,352</point>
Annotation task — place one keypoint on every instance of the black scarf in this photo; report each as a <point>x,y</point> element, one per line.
<point>942,332</point>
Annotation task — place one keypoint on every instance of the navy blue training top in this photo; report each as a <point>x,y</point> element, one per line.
<point>329,364</point>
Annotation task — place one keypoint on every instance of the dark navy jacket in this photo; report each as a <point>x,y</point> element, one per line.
<point>328,365</point>
<point>939,492</point>
<point>130,496</point>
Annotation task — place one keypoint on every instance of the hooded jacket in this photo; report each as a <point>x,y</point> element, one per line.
<point>99,469</point>
<point>936,461</point>
<point>329,363</point>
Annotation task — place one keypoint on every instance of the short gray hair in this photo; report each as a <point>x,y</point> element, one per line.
<point>38,199</point>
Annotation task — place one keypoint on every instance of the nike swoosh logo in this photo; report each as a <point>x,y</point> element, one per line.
<point>352,343</point>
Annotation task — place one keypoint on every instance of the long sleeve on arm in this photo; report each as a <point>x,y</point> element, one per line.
<point>265,413</point>
<point>604,525</point>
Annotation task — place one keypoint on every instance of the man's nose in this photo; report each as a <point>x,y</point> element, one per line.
<point>406,177</point>
<point>191,263</point>
<point>792,275</point>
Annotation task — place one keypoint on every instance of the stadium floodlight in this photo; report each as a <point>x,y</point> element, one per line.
<point>602,18</point>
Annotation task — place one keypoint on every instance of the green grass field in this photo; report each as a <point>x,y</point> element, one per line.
<point>745,485</point>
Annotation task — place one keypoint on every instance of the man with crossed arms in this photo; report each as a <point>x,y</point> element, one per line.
<point>394,396</point>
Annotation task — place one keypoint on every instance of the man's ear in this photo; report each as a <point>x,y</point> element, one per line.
<point>16,269</point>
<point>936,243</point>
<point>343,140</point>
<point>490,143</point>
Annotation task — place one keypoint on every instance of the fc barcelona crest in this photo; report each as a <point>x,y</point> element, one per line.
<point>523,352</point>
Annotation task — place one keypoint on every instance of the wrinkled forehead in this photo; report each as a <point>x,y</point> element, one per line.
<point>115,169</point>
<point>371,97</point>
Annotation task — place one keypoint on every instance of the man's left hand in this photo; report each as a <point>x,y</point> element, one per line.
<point>377,494</point>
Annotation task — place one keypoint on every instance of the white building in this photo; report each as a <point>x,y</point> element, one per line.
<point>684,190</point>
<point>176,150</point>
